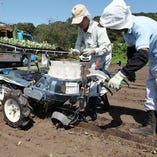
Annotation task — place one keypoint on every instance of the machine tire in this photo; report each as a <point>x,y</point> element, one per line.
<point>64,119</point>
<point>15,109</point>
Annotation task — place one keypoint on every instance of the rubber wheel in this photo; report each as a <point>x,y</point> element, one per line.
<point>15,109</point>
<point>64,119</point>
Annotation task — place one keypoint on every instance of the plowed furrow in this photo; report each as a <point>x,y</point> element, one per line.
<point>146,144</point>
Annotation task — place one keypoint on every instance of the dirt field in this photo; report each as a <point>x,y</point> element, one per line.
<point>108,136</point>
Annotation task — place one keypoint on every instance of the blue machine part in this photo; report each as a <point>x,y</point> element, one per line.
<point>24,36</point>
<point>33,57</point>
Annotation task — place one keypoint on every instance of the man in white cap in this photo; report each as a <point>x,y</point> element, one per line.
<point>92,40</point>
<point>140,34</point>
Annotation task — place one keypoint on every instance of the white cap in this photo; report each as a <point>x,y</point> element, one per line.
<point>79,11</point>
<point>116,15</point>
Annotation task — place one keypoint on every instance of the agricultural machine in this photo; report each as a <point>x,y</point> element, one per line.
<point>60,89</point>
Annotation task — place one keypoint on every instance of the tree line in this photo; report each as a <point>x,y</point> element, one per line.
<point>64,35</point>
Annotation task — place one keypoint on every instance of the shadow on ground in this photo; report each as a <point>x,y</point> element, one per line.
<point>116,111</point>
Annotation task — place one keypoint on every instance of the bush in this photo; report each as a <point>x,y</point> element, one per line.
<point>119,53</point>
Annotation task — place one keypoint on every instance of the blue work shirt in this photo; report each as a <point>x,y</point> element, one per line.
<point>143,34</point>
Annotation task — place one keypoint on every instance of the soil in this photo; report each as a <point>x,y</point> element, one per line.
<point>107,136</point>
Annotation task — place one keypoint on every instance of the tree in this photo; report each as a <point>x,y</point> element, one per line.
<point>62,33</point>
<point>41,33</point>
<point>28,27</point>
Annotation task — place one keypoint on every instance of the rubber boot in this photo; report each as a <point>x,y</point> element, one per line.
<point>106,104</point>
<point>91,109</point>
<point>150,128</point>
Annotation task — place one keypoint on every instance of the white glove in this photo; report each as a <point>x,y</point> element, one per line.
<point>74,51</point>
<point>87,52</point>
<point>116,81</point>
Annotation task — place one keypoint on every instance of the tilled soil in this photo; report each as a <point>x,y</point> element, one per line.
<point>107,136</point>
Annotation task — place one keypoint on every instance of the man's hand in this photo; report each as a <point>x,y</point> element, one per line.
<point>88,52</point>
<point>116,81</point>
<point>74,51</point>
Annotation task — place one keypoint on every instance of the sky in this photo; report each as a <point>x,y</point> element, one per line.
<point>44,11</point>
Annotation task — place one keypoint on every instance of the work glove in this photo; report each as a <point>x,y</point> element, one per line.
<point>74,51</point>
<point>132,77</point>
<point>87,52</point>
<point>116,81</point>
